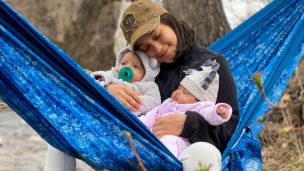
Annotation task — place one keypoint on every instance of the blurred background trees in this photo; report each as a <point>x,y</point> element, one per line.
<point>86,29</point>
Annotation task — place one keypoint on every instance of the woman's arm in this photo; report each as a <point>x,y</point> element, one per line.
<point>120,89</point>
<point>197,129</point>
<point>172,124</point>
<point>125,95</point>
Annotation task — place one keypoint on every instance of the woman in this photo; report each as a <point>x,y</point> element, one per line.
<point>150,28</point>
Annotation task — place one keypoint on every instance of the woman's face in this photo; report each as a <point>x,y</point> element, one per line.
<point>160,44</point>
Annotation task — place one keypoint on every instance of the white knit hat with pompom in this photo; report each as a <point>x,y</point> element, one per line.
<point>204,84</point>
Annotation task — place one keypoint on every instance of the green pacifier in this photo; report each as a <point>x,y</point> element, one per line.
<point>126,74</point>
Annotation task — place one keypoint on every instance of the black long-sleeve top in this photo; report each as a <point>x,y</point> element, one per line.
<point>196,128</point>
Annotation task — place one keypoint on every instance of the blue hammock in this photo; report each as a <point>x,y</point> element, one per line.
<point>73,113</point>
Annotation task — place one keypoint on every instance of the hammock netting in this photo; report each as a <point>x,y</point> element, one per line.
<point>76,115</point>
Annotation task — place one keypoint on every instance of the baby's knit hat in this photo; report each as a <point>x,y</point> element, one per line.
<point>204,84</point>
<point>152,67</point>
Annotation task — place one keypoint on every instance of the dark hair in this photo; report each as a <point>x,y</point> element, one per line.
<point>184,33</point>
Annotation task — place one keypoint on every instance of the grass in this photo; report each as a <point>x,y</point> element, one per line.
<point>283,135</point>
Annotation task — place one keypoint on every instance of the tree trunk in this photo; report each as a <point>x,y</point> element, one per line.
<point>90,40</point>
<point>51,17</point>
<point>206,17</point>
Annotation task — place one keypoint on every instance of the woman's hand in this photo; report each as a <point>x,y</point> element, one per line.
<point>125,95</point>
<point>171,124</point>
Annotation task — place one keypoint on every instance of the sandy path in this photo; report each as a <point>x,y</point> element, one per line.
<point>21,148</point>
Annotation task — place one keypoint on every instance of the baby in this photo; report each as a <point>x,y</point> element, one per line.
<point>197,92</point>
<point>138,72</point>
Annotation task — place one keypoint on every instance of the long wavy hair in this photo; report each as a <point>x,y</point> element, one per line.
<point>184,33</point>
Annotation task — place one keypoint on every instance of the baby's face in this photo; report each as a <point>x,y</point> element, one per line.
<point>183,96</point>
<point>133,61</point>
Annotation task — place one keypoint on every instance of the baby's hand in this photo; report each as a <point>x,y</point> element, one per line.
<point>99,78</point>
<point>222,111</point>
